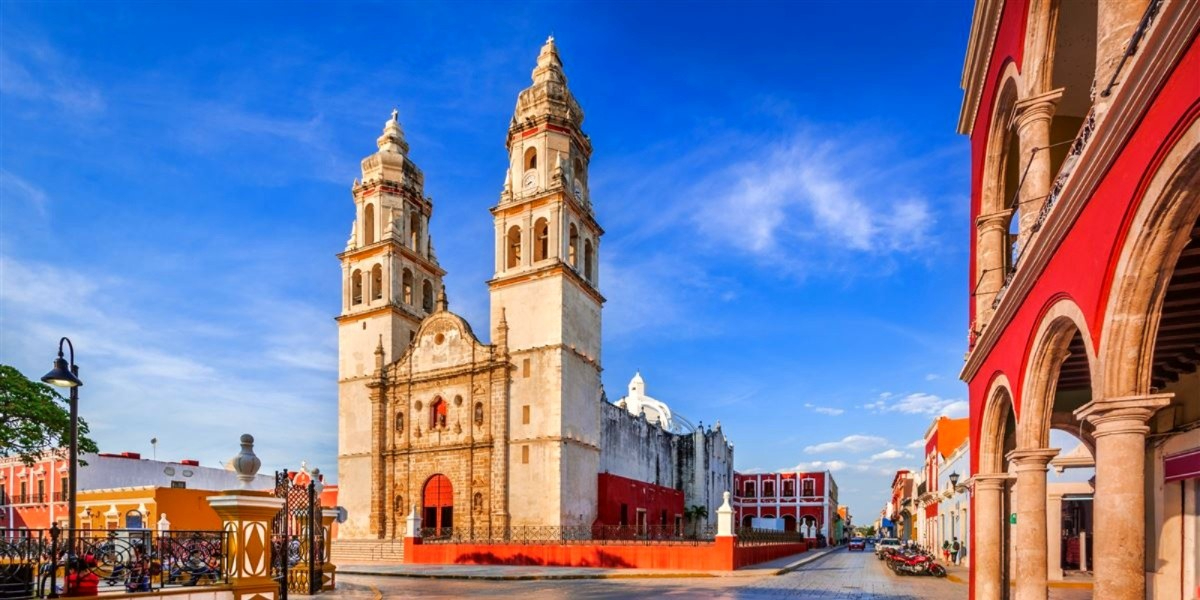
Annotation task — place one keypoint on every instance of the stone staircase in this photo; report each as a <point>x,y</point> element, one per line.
<point>349,552</point>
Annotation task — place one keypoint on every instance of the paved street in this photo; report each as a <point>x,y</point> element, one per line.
<point>840,576</point>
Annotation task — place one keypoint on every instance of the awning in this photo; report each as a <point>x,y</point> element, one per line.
<point>1185,465</point>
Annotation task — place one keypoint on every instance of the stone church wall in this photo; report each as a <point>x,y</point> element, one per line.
<point>699,464</point>
<point>634,448</point>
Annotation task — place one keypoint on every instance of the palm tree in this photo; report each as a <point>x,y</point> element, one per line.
<point>695,513</point>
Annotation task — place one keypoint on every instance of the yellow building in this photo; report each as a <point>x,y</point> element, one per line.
<point>143,507</point>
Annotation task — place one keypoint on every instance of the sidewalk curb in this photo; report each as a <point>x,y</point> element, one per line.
<point>804,561</point>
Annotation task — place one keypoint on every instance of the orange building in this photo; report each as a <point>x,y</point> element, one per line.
<point>143,507</point>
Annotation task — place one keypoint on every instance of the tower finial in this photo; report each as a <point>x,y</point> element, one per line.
<point>442,302</point>
<point>392,139</point>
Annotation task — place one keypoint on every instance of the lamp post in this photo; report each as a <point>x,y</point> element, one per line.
<point>66,375</point>
<point>954,480</point>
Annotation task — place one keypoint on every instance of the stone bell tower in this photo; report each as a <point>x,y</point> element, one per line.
<point>547,286</point>
<point>390,277</point>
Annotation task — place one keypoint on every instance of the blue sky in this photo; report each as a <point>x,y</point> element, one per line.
<point>784,194</point>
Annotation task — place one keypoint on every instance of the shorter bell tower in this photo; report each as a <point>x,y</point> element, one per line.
<point>390,280</point>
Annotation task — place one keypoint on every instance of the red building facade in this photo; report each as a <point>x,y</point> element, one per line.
<point>1083,287</point>
<point>644,506</point>
<point>806,502</point>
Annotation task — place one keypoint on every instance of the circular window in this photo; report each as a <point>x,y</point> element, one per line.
<point>439,338</point>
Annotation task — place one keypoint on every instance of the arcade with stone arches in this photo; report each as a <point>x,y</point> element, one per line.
<point>1126,387</point>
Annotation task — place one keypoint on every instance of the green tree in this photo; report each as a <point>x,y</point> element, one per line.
<point>868,531</point>
<point>695,513</point>
<point>34,418</point>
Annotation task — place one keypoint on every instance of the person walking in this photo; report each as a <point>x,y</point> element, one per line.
<point>955,548</point>
<point>946,550</point>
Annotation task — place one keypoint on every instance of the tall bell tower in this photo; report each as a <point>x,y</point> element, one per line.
<point>390,278</point>
<point>546,285</point>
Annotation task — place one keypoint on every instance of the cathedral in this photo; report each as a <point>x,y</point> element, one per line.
<point>519,432</point>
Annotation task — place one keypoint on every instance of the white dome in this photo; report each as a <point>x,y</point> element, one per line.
<point>639,404</point>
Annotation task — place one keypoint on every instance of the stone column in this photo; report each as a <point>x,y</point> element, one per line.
<point>1030,542</point>
<point>1033,116</point>
<point>1120,500</point>
<point>990,260</point>
<point>986,550</point>
<point>1116,20</point>
<point>1054,537</point>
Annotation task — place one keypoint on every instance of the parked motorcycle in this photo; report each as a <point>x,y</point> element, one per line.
<point>914,563</point>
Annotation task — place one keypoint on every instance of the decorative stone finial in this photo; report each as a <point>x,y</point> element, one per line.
<point>246,463</point>
<point>392,139</point>
<point>163,523</point>
<point>550,39</point>
<point>442,303</point>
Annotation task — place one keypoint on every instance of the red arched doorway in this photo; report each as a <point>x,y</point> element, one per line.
<point>789,523</point>
<point>438,502</point>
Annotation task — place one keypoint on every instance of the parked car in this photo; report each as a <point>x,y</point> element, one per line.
<point>885,545</point>
<point>857,544</point>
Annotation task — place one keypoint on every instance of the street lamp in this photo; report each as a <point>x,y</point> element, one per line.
<point>954,480</point>
<point>66,375</point>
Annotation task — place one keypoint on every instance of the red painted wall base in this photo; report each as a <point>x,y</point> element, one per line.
<point>721,555</point>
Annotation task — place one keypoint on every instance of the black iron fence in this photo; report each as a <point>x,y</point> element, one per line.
<point>42,563</point>
<point>747,536</point>
<point>596,534</point>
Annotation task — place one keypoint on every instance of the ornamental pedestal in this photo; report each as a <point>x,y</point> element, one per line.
<point>246,517</point>
<point>328,569</point>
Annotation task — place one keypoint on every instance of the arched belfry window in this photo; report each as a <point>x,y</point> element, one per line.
<point>427,296</point>
<point>414,231</point>
<point>530,158</point>
<point>587,260</point>
<point>377,282</point>
<point>541,245</point>
<point>573,246</point>
<point>407,283</point>
<point>513,243</point>
<point>356,287</point>
<point>368,224</point>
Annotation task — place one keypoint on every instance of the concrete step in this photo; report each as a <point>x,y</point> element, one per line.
<point>358,551</point>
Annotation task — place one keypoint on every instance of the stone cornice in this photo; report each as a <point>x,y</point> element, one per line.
<point>984,25</point>
<point>1165,43</point>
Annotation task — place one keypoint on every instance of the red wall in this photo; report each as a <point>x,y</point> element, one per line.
<point>720,555</point>
<point>615,490</point>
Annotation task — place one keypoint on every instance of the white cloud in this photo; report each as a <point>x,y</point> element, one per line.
<point>806,194</point>
<point>917,444</point>
<point>890,454</point>
<point>850,443</point>
<point>14,187</point>
<point>919,403</point>
<point>932,377</point>
<point>821,465</point>
<point>825,410</point>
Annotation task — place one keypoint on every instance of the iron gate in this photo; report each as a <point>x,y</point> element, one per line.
<point>298,542</point>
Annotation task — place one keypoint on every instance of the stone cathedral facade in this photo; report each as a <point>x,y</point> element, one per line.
<point>517,432</point>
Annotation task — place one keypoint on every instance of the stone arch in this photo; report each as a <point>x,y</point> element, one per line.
<point>368,224</point>
<point>541,239</point>
<point>996,410</point>
<point>1160,228</point>
<point>1060,323</point>
<point>993,239</point>
<point>530,158</point>
<point>356,287</point>
<point>377,282</point>
<point>513,247</point>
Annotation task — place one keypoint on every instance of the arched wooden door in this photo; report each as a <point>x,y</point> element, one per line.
<point>438,501</point>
